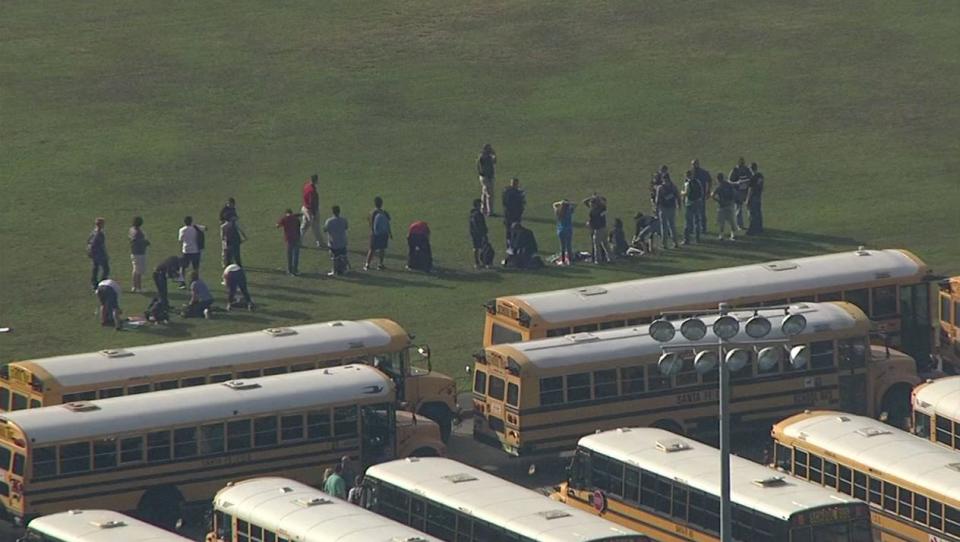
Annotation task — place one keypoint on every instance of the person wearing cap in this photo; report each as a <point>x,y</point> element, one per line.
<point>486,169</point>
<point>563,210</point>
<point>310,211</point>
<point>97,252</point>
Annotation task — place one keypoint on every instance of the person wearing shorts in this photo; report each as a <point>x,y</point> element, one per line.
<point>138,253</point>
<point>380,234</point>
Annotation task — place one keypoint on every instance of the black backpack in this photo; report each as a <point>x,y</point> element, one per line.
<point>201,238</point>
<point>486,253</point>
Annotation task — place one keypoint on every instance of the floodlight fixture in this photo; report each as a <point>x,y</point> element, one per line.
<point>705,361</point>
<point>737,359</point>
<point>758,326</point>
<point>793,325</point>
<point>799,356</point>
<point>769,357</point>
<point>726,327</point>
<point>693,329</point>
<point>662,330</point>
<point>670,364</point>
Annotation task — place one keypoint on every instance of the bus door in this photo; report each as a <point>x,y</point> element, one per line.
<point>852,354</point>
<point>378,441</point>
<point>916,329</point>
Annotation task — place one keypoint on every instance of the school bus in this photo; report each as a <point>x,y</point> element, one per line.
<point>893,287</point>
<point>156,452</point>
<point>936,411</point>
<point>95,526</point>
<point>455,502</point>
<point>949,344</point>
<point>273,509</point>
<point>911,484</point>
<point>117,372</point>
<point>668,486</point>
<point>541,396</point>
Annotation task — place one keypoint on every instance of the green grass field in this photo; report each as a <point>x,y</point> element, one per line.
<point>164,109</point>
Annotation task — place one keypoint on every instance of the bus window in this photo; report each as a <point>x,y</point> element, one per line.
<point>956,313</point>
<point>35,403</point>
<point>821,354</point>
<point>158,446</point>
<point>921,424</point>
<point>631,379</point>
<point>5,456</point>
<point>142,388</point>
<point>345,421</point>
<point>945,308</point>
<point>853,353</point>
<point>254,373</point>
<point>184,442</point>
<point>859,298</point>
<point>513,394</point>
<point>74,457</point>
<point>578,387</point>
<point>496,389</point>
<point>110,392</point>
<point>18,461</point>
<point>502,335</point>
<point>265,431</point>
<point>274,371</point>
<point>165,385</point>
<point>611,324</point>
<point>131,450</point>
<point>605,383</point>
<point>223,377</point>
<point>302,367</point>
<point>193,381</point>
<point>4,398</point>
<point>318,424</point>
<point>558,332</point>
<point>657,381</point>
<point>19,401</point>
<point>830,296</point>
<point>687,375</point>
<point>291,427</point>
<point>104,454</point>
<point>238,435</point>
<point>211,439</point>
<point>45,462</point>
<point>639,321</point>
<point>75,397</point>
<point>884,302</point>
<point>480,382</point>
<point>584,328</point>
<point>803,299</point>
<point>551,390</point>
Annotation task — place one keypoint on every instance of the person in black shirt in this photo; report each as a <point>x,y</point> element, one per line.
<point>486,169</point>
<point>230,237</point>
<point>97,252</point>
<point>597,222</point>
<point>726,197</point>
<point>229,210</point>
<point>168,268</point>
<point>478,231</point>
<point>740,179</point>
<point>523,248</point>
<point>666,201</point>
<point>754,196</point>
<point>703,177</point>
<point>514,202</point>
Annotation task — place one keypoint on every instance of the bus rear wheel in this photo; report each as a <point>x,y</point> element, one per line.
<point>896,405</point>
<point>442,415</point>
<point>162,506</point>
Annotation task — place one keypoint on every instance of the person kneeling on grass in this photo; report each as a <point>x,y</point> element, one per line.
<point>522,253</point>
<point>108,293</point>
<point>200,298</point>
<point>235,279</point>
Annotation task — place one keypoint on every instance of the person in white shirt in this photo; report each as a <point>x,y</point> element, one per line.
<point>108,293</point>
<point>192,240</point>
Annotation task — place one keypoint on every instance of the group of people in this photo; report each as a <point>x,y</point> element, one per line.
<point>340,482</point>
<point>192,240</point>
<point>741,191</point>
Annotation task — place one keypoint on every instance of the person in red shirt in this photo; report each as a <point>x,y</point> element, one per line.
<point>310,210</point>
<point>419,254</point>
<point>290,223</point>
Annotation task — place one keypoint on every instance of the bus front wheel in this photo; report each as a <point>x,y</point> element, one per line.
<point>442,415</point>
<point>162,506</point>
<point>896,405</point>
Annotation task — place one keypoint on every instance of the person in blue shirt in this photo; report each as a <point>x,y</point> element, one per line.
<point>200,298</point>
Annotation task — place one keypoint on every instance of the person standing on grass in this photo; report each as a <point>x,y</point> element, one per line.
<point>229,210</point>
<point>138,253</point>
<point>597,222</point>
<point>310,211</point>
<point>230,238</point>
<point>666,200</point>
<point>692,203</point>
<point>486,169</point>
<point>238,296</point>
<point>478,232</point>
<point>703,177</point>
<point>514,203</point>
<point>726,197</point>
<point>290,223</point>
<point>336,229</point>
<point>380,234</point>
<point>200,298</point>
<point>169,268</point>
<point>740,179</point>
<point>563,210</point>
<point>754,196</point>
<point>97,252</point>
<point>192,242</point>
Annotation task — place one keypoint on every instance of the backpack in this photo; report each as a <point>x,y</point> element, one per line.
<point>201,238</point>
<point>381,223</point>
<point>157,311</point>
<point>694,190</point>
<point>487,254</point>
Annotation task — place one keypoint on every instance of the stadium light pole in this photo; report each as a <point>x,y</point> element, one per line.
<point>725,328</point>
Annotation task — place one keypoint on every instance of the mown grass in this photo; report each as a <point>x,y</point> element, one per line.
<point>165,109</point>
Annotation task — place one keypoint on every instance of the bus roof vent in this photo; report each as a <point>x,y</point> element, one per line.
<point>286,489</point>
<point>108,524</point>
<point>313,501</point>
<point>881,275</point>
<point>116,353</point>
<point>81,406</point>
<point>241,385</point>
<point>591,290</point>
<point>872,431</point>
<point>843,419</point>
<point>582,337</point>
<point>954,466</point>
<point>408,539</point>
<point>772,481</point>
<point>784,265</point>
<point>672,445</point>
<point>862,251</point>
<point>460,478</point>
<point>280,331</point>
<point>336,324</point>
<point>554,514</point>
<point>412,459</point>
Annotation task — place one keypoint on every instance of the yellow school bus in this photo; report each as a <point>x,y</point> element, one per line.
<point>117,372</point>
<point>911,484</point>
<point>156,452</point>
<point>893,287</point>
<point>273,509</point>
<point>949,344</point>
<point>95,526</point>
<point>456,502</point>
<point>541,396</point>
<point>668,486</point>
<point>936,411</point>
